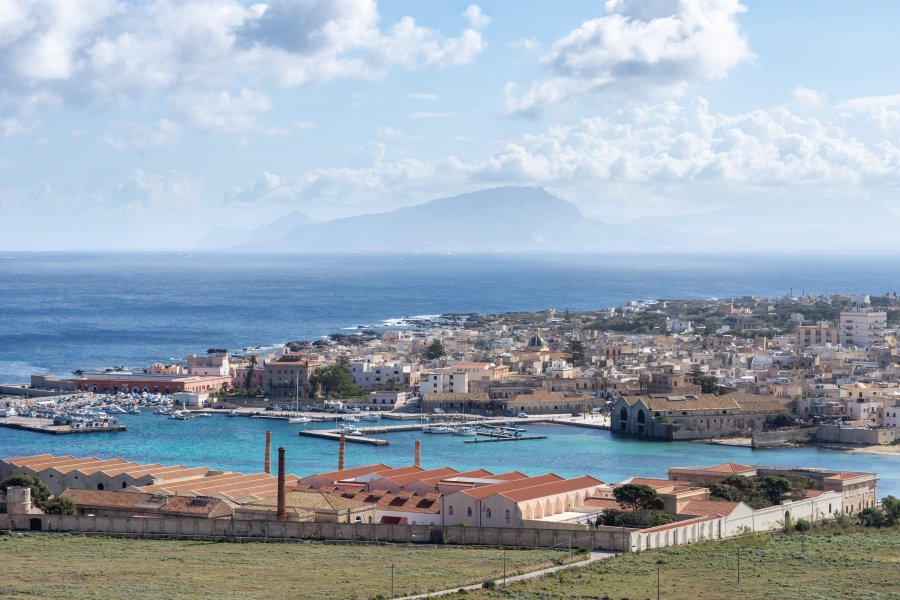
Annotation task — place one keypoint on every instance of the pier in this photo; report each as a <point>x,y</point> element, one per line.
<point>507,438</point>
<point>336,437</point>
<point>46,426</point>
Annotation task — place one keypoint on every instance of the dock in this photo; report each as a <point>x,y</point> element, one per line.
<point>336,436</point>
<point>520,438</point>
<point>39,426</point>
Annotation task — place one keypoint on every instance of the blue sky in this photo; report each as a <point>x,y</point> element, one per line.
<point>145,124</point>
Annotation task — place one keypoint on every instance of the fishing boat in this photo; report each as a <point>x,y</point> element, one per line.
<point>350,430</point>
<point>300,419</point>
<point>372,417</point>
<point>464,430</point>
<point>437,428</point>
<point>234,413</point>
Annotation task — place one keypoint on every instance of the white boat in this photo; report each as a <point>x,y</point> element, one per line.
<point>234,413</point>
<point>350,419</point>
<point>203,414</point>
<point>372,417</point>
<point>350,430</point>
<point>464,430</point>
<point>437,429</point>
<point>300,419</point>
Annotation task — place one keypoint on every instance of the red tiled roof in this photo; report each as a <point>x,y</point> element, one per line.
<point>703,508</point>
<point>731,468</point>
<point>553,487</point>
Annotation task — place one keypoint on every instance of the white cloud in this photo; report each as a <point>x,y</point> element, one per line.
<point>639,49</point>
<point>476,18</point>
<point>807,97</point>
<point>222,111</point>
<point>143,190</point>
<point>104,52</point>
<point>638,156</point>
<point>528,44</point>
<point>164,132</point>
<point>871,102</point>
<point>423,96</point>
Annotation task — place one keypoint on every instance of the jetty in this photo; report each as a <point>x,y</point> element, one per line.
<point>47,426</point>
<point>506,438</point>
<point>336,437</point>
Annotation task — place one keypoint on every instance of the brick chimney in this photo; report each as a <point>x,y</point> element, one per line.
<point>341,452</point>
<point>267,465</point>
<point>417,459</point>
<point>281,515</point>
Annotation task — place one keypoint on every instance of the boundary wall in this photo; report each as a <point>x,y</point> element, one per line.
<point>615,539</point>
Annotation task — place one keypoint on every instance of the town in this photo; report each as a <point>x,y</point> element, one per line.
<point>762,372</point>
<point>752,371</point>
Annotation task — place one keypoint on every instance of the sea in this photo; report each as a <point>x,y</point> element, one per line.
<point>65,311</point>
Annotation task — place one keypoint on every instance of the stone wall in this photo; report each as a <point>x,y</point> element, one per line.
<point>603,538</point>
<point>773,439</point>
<point>847,435</point>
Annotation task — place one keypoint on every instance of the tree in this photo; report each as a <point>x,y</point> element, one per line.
<point>333,380</point>
<point>873,517</point>
<point>782,419</point>
<point>634,518</point>
<point>575,352</point>
<point>891,507</point>
<point>435,350</point>
<point>248,381</point>
<point>638,497</point>
<point>40,493</point>
<point>343,360</point>
<point>60,506</point>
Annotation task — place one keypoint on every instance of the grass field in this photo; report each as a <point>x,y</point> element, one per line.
<point>846,565</point>
<point>81,567</point>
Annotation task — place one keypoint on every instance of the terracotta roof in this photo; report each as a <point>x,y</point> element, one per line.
<point>142,502</point>
<point>551,488</point>
<point>351,473</point>
<point>731,468</point>
<point>488,490</point>
<point>407,478</point>
<point>603,503</point>
<point>313,500</point>
<point>703,508</point>
<point>844,475</point>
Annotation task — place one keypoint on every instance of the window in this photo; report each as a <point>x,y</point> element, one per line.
<point>507,515</point>
<point>469,512</point>
<point>488,513</point>
<point>449,510</point>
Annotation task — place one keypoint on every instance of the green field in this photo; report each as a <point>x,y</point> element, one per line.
<point>860,564</point>
<point>80,567</point>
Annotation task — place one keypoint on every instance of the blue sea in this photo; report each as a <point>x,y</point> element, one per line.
<point>61,312</point>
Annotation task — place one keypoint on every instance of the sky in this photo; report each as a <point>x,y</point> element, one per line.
<point>145,124</point>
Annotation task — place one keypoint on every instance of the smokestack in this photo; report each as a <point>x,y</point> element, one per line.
<point>268,463</point>
<point>417,460</point>
<point>281,515</point>
<point>341,453</point>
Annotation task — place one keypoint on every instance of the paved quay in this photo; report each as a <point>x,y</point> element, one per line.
<point>47,426</point>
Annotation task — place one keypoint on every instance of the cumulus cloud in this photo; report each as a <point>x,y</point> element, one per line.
<point>644,148</point>
<point>476,18</point>
<point>807,97</point>
<point>638,49</point>
<point>142,137</point>
<point>103,52</point>
<point>871,102</point>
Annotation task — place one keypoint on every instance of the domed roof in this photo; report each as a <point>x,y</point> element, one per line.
<point>536,340</point>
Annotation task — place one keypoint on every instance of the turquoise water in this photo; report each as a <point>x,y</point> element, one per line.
<point>237,443</point>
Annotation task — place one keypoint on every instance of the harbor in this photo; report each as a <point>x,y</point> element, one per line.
<point>47,426</point>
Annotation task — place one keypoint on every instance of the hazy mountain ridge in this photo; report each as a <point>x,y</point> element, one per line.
<point>526,219</point>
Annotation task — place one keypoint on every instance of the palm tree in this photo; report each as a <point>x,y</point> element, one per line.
<point>248,382</point>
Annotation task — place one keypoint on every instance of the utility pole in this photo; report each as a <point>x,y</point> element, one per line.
<point>657,582</point>
<point>739,566</point>
<point>392,580</point>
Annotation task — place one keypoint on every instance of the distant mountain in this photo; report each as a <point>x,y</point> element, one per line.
<point>523,219</point>
<point>223,238</point>
<point>498,219</point>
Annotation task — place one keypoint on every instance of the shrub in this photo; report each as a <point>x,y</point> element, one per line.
<point>60,506</point>
<point>489,584</point>
<point>40,493</point>
<point>635,518</point>
<point>873,517</point>
<point>802,525</point>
